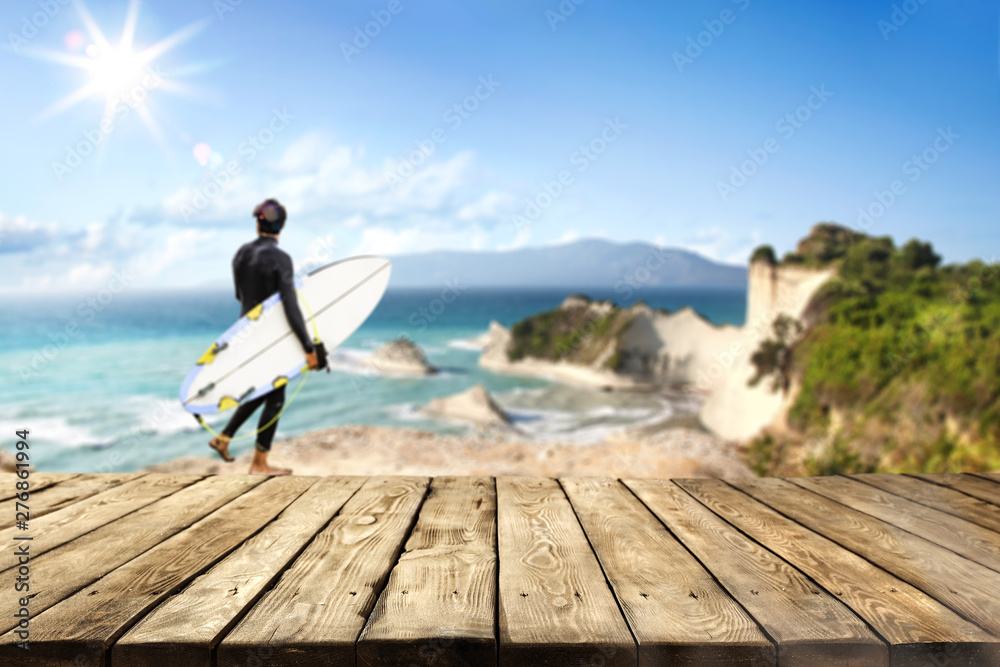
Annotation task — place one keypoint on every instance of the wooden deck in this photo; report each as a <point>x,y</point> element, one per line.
<point>237,570</point>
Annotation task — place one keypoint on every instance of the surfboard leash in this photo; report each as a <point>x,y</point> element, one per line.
<point>321,357</point>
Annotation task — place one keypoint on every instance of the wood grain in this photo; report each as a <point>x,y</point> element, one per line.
<point>808,625</point>
<point>79,518</point>
<point>61,495</point>
<point>87,622</point>
<point>185,629</point>
<point>64,570</point>
<point>918,628</point>
<point>941,498</point>
<point>678,613</point>
<point>314,614</point>
<point>439,605</point>
<point>555,605</point>
<point>37,481</point>
<point>971,485</point>
<point>966,587</point>
<point>963,537</point>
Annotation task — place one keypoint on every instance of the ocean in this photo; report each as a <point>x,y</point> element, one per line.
<point>97,383</point>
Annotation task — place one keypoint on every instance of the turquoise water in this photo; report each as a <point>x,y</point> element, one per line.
<point>97,383</point>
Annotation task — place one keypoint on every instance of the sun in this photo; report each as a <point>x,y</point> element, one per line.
<point>117,72</point>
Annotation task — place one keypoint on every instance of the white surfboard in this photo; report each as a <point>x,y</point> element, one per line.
<point>261,352</point>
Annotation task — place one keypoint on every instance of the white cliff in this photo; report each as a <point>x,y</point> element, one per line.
<point>659,349</point>
<point>732,408</point>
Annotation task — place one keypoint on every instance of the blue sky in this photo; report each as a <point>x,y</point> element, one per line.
<point>713,126</point>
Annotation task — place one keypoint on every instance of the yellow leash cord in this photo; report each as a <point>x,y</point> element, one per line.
<point>305,376</point>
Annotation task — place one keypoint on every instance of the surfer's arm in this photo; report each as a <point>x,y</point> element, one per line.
<point>236,278</point>
<point>290,301</point>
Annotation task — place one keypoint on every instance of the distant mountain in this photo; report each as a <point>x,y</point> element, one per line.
<point>581,265</point>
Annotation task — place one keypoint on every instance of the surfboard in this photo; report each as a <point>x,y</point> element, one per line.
<point>260,352</point>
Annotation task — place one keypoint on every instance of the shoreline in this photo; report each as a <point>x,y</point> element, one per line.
<point>671,451</point>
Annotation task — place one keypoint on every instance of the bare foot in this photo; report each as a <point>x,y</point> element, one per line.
<point>268,470</point>
<point>220,444</point>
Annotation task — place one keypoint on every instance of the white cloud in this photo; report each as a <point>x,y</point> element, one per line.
<point>87,259</point>
<point>719,244</point>
<point>313,178</point>
<point>23,235</point>
<point>520,241</point>
<point>80,277</point>
<point>304,154</point>
<point>392,241</point>
<point>568,236</point>
<point>169,252</point>
<point>491,206</point>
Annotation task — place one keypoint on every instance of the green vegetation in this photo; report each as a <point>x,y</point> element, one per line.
<point>899,368</point>
<point>827,242</point>
<point>578,333</point>
<point>774,357</point>
<point>764,253</point>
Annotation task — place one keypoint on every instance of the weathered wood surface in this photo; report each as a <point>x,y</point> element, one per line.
<point>37,482</point>
<point>678,613</point>
<point>314,615</point>
<point>875,595</point>
<point>555,605</point>
<point>187,628</point>
<point>232,570</point>
<point>809,625</point>
<point>442,594</point>
<point>59,573</point>
<point>939,497</point>
<point>88,621</point>
<point>963,537</point>
<point>56,496</point>
<point>966,587</point>
<point>972,485</point>
<point>67,524</point>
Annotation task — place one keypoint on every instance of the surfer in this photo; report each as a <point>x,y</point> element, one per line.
<point>260,269</point>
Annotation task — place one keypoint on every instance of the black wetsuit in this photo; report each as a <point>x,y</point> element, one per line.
<point>260,269</point>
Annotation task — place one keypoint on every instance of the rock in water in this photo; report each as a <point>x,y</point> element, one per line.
<point>400,356</point>
<point>474,405</point>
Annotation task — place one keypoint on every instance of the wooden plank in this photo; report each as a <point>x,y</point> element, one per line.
<point>919,630</point>
<point>677,612</point>
<point>314,614</point>
<point>939,497</point>
<point>555,605</point>
<point>59,573</point>
<point>71,522</point>
<point>992,476</point>
<point>62,495</point>
<point>808,625</point>
<point>185,629</point>
<point>961,536</point>
<point>448,572</point>
<point>87,622</point>
<point>966,587</point>
<point>971,485</point>
<point>37,480</point>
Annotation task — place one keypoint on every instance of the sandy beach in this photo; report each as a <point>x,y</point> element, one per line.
<point>369,450</point>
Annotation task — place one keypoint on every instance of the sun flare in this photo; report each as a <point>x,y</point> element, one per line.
<point>119,73</point>
<point>115,71</point>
